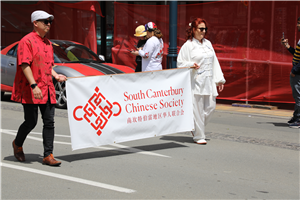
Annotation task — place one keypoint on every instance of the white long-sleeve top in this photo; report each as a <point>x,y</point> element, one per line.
<point>209,75</point>
<point>152,54</point>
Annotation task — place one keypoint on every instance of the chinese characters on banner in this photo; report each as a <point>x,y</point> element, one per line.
<point>118,108</point>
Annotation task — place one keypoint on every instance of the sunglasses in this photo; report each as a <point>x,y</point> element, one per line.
<point>45,21</point>
<point>202,29</point>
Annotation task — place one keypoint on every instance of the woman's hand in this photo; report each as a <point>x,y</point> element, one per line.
<point>136,53</point>
<point>220,87</point>
<point>196,66</point>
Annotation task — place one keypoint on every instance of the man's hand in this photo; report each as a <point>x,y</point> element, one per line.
<point>37,93</point>
<point>285,42</point>
<point>292,75</point>
<point>60,77</point>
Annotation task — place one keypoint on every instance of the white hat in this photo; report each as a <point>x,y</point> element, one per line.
<point>39,14</point>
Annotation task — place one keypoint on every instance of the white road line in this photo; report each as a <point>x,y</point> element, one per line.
<point>135,150</point>
<point>56,135</point>
<point>13,132</point>
<point>69,178</point>
<point>120,147</point>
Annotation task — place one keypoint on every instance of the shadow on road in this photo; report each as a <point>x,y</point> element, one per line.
<point>181,139</point>
<point>275,124</point>
<point>29,158</point>
<point>117,152</point>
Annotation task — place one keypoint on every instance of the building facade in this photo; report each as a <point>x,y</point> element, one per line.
<point>105,25</point>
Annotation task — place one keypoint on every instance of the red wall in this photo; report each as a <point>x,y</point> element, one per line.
<point>245,35</point>
<point>72,21</point>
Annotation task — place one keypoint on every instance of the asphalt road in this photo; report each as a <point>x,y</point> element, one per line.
<point>248,156</point>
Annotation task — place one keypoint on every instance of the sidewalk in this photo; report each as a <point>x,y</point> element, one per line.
<point>261,111</point>
<point>219,106</point>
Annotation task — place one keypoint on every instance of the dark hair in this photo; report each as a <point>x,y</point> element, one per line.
<point>194,25</point>
<point>298,18</point>
<point>158,33</point>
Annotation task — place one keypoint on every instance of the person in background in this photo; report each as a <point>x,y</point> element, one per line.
<point>294,122</point>
<point>152,52</point>
<point>140,33</point>
<point>33,86</point>
<point>206,76</point>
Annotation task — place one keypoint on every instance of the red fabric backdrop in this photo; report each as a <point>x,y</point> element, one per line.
<point>245,35</point>
<point>72,21</point>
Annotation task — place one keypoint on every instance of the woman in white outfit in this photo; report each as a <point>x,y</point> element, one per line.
<point>152,52</point>
<point>206,76</point>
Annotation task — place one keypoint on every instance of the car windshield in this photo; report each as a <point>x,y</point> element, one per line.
<point>73,53</point>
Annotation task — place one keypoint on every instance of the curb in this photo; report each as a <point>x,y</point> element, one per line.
<point>257,109</point>
<point>254,106</point>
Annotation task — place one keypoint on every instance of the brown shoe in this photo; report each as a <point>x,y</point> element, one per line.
<point>18,152</point>
<point>49,160</point>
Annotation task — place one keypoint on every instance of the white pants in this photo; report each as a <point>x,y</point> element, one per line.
<point>203,108</point>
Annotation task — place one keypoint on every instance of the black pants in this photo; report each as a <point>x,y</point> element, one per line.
<point>31,118</point>
<point>138,61</point>
<point>295,85</point>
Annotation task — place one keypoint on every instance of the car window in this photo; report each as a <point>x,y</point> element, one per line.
<point>16,51</point>
<point>56,59</point>
<point>73,53</point>
<point>13,51</point>
<point>80,52</point>
<point>59,54</point>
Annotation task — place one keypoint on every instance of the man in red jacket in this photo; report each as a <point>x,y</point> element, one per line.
<point>33,85</point>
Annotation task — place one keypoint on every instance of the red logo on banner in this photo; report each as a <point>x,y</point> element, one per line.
<point>97,111</point>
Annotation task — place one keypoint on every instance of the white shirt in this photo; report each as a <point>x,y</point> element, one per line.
<point>205,79</point>
<point>152,54</point>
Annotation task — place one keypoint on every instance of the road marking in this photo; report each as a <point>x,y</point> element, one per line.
<point>135,150</point>
<point>69,178</point>
<point>56,135</point>
<point>120,147</point>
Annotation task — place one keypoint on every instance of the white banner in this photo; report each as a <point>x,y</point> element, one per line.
<point>117,108</point>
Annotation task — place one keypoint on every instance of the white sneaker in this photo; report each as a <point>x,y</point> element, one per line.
<point>201,141</point>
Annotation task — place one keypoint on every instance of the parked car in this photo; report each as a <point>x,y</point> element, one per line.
<point>71,59</point>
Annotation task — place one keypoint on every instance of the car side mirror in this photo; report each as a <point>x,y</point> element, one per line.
<point>101,57</point>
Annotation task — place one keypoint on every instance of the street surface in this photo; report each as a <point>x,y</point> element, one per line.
<point>248,156</point>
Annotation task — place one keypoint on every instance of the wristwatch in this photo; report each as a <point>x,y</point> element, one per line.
<point>33,85</point>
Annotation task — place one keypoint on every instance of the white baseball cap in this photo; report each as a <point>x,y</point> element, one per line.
<point>150,26</point>
<point>39,14</point>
